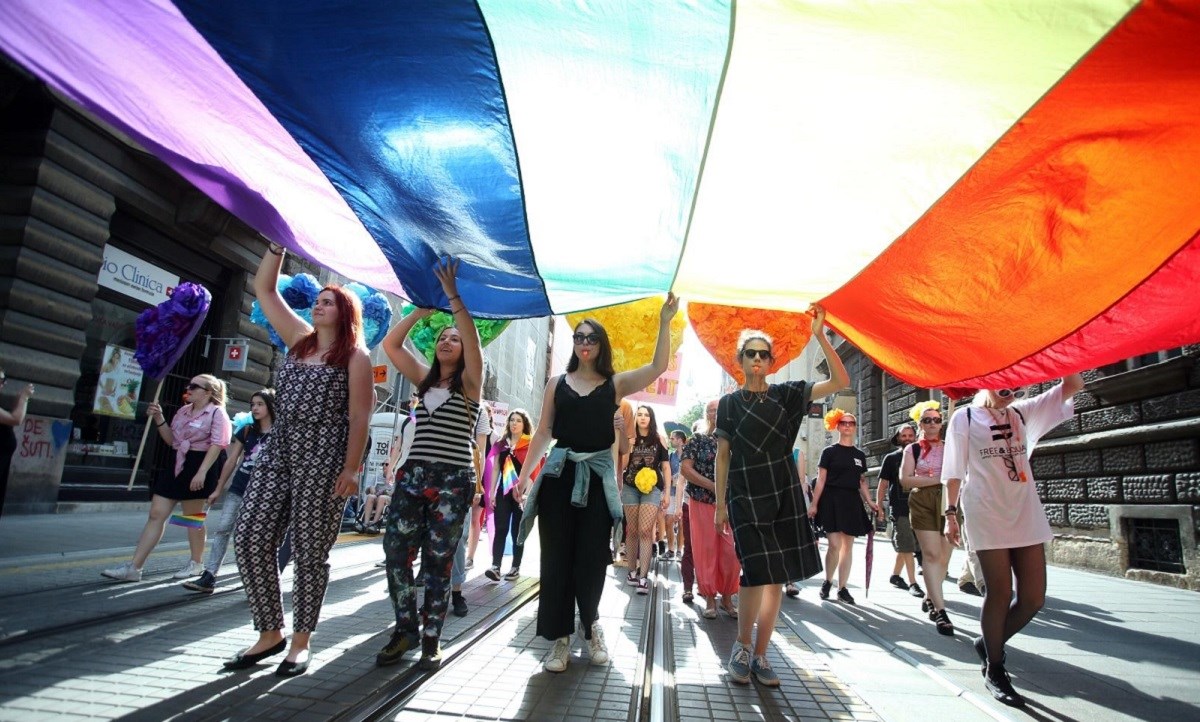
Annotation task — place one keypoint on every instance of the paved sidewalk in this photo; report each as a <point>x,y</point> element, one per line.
<point>1102,649</point>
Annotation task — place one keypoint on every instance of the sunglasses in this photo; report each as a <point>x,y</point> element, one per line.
<point>847,423</point>
<point>931,420</point>
<point>762,353</point>
<point>196,387</point>
<point>586,339</point>
<point>1015,393</point>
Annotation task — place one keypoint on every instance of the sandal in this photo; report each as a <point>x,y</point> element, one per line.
<point>942,620</point>
<point>688,597</point>
<point>730,611</point>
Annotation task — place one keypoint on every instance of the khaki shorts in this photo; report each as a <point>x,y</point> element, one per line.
<point>903,539</point>
<point>925,509</point>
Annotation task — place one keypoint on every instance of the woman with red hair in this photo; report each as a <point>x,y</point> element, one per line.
<point>309,465</point>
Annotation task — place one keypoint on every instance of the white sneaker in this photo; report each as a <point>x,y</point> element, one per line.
<point>595,646</point>
<point>124,573</point>
<point>191,569</point>
<point>559,656</point>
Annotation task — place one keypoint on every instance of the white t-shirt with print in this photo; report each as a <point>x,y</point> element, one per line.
<point>1001,513</point>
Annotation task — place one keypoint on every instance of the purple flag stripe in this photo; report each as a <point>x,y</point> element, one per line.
<point>141,67</point>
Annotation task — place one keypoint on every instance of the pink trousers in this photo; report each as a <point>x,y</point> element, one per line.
<point>717,567</point>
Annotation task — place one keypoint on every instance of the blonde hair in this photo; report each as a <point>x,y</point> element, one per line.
<point>752,334</point>
<point>216,389</point>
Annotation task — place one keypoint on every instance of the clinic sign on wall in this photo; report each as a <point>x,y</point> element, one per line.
<point>129,275</point>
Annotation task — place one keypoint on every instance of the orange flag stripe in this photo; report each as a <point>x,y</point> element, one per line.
<point>1088,196</point>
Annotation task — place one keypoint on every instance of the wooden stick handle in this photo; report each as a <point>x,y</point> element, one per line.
<point>145,433</point>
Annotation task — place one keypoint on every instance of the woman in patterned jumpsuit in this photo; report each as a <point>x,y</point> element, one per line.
<point>435,486</point>
<point>309,465</point>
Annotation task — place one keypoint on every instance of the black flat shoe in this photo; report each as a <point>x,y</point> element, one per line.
<point>293,669</point>
<point>241,660</point>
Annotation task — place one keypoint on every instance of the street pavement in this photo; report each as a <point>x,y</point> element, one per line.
<point>1102,649</point>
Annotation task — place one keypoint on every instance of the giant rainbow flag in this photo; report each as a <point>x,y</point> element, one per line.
<point>981,192</point>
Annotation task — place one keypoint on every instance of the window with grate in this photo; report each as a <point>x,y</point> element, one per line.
<point>1155,544</point>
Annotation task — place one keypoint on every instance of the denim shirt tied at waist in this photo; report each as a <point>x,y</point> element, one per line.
<point>600,462</point>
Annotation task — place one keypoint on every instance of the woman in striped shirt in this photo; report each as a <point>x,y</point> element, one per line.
<point>434,486</point>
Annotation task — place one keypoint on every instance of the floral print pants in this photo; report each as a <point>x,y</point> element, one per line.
<point>427,514</point>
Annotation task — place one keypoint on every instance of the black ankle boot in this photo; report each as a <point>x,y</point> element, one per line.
<point>999,684</point>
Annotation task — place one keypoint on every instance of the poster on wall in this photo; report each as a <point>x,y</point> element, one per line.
<point>119,383</point>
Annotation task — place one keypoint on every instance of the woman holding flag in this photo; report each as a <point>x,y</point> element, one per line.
<point>199,431</point>
<point>505,462</point>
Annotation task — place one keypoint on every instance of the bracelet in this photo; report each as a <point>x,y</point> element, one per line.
<point>272,248</point>
<point>448,300</point>
<point>951,508</point>
<point>161,425</point>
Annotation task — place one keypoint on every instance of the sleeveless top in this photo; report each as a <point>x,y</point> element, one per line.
<point>445,434</point>
<point>584,423</point>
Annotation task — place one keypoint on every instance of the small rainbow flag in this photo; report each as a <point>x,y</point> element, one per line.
<point>191,521</point>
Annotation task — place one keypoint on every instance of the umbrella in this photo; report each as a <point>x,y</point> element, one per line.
<point>162,334</point>
<point>882,145</point>
<point>870,557</point>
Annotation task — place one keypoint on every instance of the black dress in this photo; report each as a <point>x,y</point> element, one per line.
<point>574,540</point>
<point>771,532</point>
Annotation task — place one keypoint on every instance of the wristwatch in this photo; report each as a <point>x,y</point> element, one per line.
<point>951,509</point>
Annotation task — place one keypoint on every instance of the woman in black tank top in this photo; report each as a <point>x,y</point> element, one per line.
<point>578,410</point>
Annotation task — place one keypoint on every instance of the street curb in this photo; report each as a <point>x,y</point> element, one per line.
<point>939,678</point>
<point>34,559</point>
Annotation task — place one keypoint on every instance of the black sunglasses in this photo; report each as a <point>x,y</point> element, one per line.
<point>847,423</point>
<point>589,339</point>
<point>194,387</point>
<point>931,420</point>
<point>762,353</point>
<point>1015,393</point>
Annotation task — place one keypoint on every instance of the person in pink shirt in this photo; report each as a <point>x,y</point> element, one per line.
<point>199,432</point>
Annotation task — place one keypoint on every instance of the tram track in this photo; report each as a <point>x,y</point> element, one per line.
<point>653,698</point>
<point>392,697</point>
<point>137,612</point>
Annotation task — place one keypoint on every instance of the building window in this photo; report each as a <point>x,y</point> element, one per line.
<point>1138,362</point>
<point>1155,544</point>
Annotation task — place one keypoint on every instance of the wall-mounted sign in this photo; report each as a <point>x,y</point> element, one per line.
<point>129,275</point>
<point>236,353</point>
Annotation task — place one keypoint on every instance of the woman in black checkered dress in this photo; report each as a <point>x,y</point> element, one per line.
<point>759,493</point>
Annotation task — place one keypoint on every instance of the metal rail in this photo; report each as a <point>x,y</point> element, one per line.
<point>393,696</point>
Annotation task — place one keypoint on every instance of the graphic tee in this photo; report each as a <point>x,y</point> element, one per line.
<point>990,454</point>
<point>843,465</point>
<point>252,446</point>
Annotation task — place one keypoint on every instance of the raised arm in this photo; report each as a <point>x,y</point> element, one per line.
<point>16,417</point>
<point>1072,385</point>
<point>412,366</point>
<point>447,272</point>
<point>838,377</point>
<point>290,327</point>
<point>627,382</point>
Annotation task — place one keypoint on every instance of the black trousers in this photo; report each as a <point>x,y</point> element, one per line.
<point>575,554</point>
<point>507,517</point>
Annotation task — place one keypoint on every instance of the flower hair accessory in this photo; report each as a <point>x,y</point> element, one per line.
<point>919,409</point>
<point>832,418</point>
